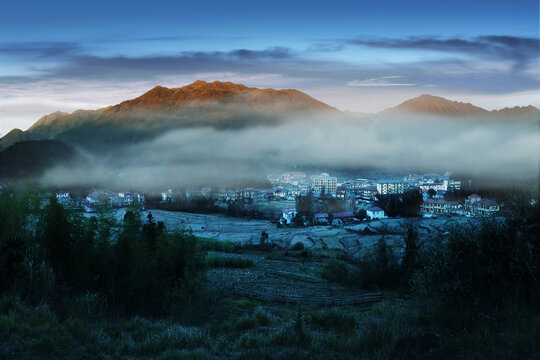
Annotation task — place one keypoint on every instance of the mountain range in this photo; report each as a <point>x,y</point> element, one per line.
<point>220,105</point>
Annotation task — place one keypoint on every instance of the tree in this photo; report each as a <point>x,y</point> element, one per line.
<point>431,193</point>
<point>361,214</point>
<point>410,257</point>
<point>54,234</point>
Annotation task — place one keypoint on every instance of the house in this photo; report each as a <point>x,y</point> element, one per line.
<point>63,197</point>
<point>485,207</point>
<point>167,195</point>
<point>288,215</point>
<point>470,200</point>
<point>320,218</point>
<point>375,212</point>
<point>342,218</point>
<point>93,197</point>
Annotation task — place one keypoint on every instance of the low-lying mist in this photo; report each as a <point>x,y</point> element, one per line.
<point>499,152</point>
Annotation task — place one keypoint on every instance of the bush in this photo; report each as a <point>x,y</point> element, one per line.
<point>336,271</point>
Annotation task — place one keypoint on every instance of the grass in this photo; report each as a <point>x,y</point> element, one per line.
<point>249,329</point>
<point>208,244</point>
<point>214,260</point>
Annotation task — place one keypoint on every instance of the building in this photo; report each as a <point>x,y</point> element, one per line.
<point>320,218</point>
<point>375,212</point>
<point>485,207</point>
<point>434,206</point>
<point>390,187</point>
<point>288,215</point>
<point>452,185</point>
<point>63,198</point>
<point>342,217</point>
<point>471,200</point>
<point>323,183</point>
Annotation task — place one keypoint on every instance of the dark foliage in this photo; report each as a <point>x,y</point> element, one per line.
<point>403,205</point>
<point>475,272</point>
<point>139,269</point>
<point>29,159</point>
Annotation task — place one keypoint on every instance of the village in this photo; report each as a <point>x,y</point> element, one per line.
<point>330,200</point>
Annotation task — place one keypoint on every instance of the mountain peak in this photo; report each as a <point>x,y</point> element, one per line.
<point>436,105</point>
<point>201,92</point>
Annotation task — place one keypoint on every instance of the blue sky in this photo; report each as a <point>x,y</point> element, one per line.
<point>360,56</point>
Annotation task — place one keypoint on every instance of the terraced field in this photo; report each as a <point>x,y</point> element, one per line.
<point>287,281</point>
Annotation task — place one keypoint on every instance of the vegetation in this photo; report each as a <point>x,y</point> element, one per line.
<point>50,254</point>
<point>403,205</point>
<point>74,287</point>
<point>215,261</point>
<point>336,271</point>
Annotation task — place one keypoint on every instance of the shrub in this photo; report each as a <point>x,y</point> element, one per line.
<point>336,271</point>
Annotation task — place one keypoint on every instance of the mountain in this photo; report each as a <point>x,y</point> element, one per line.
<point>29,159</point>
<point>518,111</point>
<point>439,106</point>
<point>11,138</point>
<point>435,105</point>
<point>202,93</point>
<point>217,104</point>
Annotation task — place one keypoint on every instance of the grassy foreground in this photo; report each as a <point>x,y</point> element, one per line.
<point>244,329</point>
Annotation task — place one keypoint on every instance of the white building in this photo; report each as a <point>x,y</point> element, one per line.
<point>289,215</point>
<point>375,212</point>
<point>389,187</point>
<point>324,183</point>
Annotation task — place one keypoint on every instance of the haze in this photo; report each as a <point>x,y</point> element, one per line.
<point>501,153</point>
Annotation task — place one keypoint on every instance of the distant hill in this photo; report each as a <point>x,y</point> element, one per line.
<point>29,159</point>
<point>439,106</point>
<point>216,104</point>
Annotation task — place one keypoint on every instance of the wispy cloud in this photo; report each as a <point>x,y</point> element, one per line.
<point>380,81</point>
<point>47,49</point>
<point>519,49</point>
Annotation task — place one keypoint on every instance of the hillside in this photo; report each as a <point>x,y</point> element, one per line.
<point>29,159</point>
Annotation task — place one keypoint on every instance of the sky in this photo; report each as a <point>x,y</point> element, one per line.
<point>361,56</point>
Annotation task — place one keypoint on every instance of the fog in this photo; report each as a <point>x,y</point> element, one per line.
<point>499,152</point>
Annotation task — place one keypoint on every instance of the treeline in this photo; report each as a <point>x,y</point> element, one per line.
<point>207,205</point>
<point>50,255</point>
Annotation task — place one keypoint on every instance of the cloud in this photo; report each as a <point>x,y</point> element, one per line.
<point>380,81</point>
<point>40,49</point>
<point>521,50</point>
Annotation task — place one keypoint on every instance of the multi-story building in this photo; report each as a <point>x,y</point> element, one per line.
<point>440,206</point>
<point>323,183</point>
<point>389,187</point>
